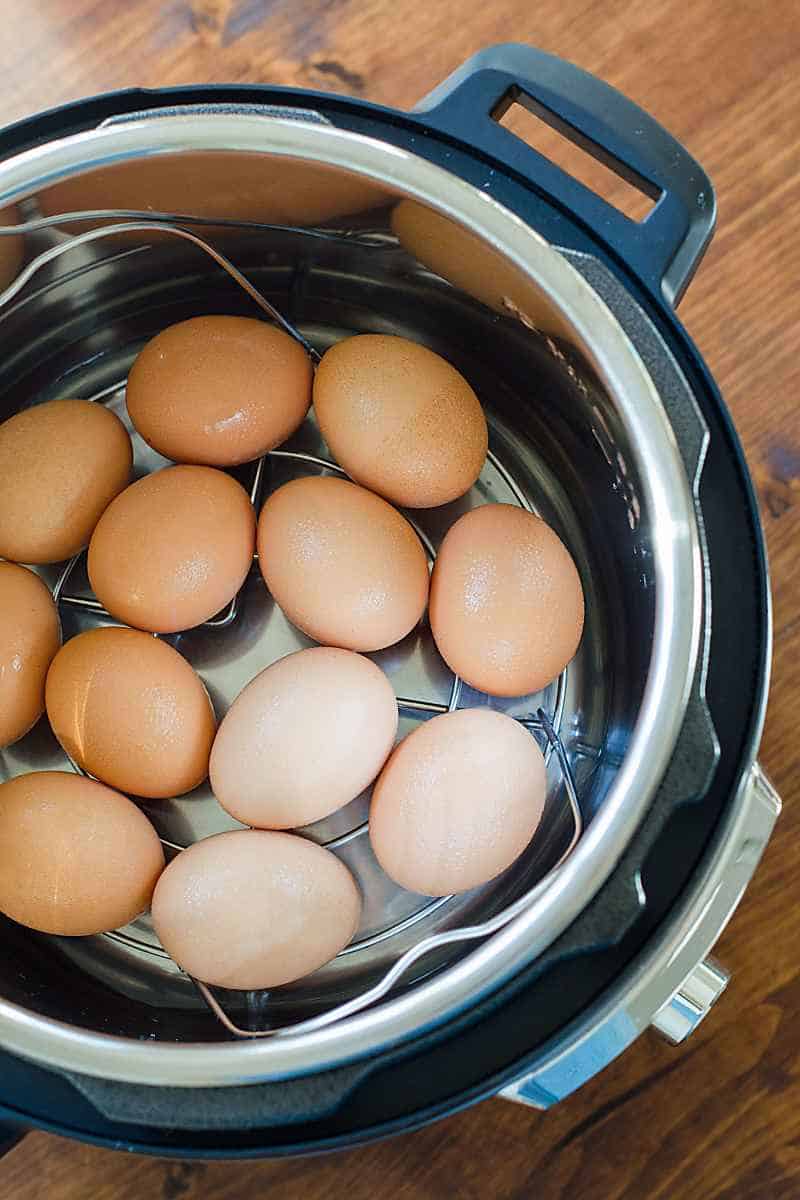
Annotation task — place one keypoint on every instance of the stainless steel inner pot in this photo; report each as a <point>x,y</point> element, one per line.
<point>577,433</point>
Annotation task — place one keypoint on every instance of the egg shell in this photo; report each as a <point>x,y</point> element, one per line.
<point>506,605</point>
<point>400,419</point>
<point>75,857</point>
<point>458,801</point>
<point>255,909</point>
<point>61,465</point>
<point>131,711</point>
<point>219,390</point>
<point>30,635</point>
<point>345,567</point>
<point>12,248</point>
<point>173,549</point>
<point>304,738</point>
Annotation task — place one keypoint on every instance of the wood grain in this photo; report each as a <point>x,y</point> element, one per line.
<point>720,1118</point>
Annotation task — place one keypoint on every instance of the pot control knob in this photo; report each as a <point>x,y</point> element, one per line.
<point>681,1015</point>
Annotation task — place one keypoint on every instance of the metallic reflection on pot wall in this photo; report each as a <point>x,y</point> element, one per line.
<point>11,248</point>
<point>220,184</point>
<point>469,263</point>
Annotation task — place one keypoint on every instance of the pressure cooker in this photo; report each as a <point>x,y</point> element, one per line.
<point>126,212</point>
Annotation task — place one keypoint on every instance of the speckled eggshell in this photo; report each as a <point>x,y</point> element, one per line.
<point>173,549</point>
<point>345,567</point>
<point>61,465</point>
<point>400,419</point>
<point>506,605</point>
<point>30,634</point>
<point>304,738</point>
<point>219,390</point>
<point>131,711</point>
<point>458,801</point>
<point>75,857</point>
<point>255,909</point>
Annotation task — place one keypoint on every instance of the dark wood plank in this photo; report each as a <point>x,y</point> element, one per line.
<point>718,1119</point>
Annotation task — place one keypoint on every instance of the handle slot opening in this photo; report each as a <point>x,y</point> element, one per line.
<point>581,158</point>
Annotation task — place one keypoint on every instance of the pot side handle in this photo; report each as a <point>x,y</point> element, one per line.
<point>665,248</point>
<point>675,993</point>
<point>10,1136</point>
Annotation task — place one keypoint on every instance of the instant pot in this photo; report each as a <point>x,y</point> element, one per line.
<point>443,226</point>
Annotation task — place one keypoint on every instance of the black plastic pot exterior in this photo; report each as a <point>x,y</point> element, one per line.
<point>516,1026</point>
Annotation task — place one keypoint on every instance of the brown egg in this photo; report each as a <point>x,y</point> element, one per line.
<point>11,248</point>
<point>30,634</point>
<point>61,465</point>
<point>252,909</point>
<point>458,801</point>
<point>343,565</point>
<point>130,710</point>
<point>173,549</point>
<point>304,738</point>
<point>400,420</point>
<point>469,263</point>
<point>506,606</point>
<point>219,390</point>
<point>75,856</point>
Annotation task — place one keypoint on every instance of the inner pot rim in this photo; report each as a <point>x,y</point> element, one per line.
<point>678,605</point>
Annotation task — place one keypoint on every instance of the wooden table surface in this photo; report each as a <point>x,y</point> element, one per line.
<point>718,1119</point>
